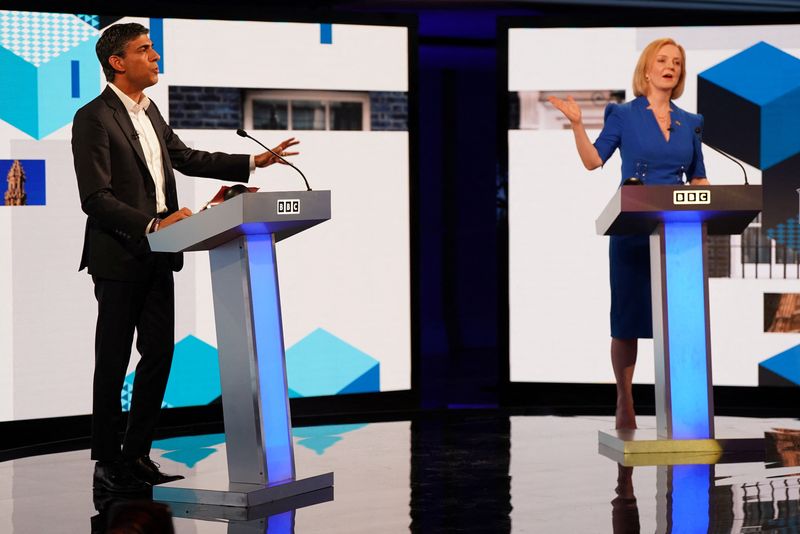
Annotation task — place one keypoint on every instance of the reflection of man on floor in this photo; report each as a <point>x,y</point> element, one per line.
<point>124,155</point>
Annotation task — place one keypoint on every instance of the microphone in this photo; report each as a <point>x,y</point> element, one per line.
<point>241,133</point>
<point>697,130</point>
<point>135,135</point>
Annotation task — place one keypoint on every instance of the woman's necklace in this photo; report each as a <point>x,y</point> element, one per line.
<point>664,120</point>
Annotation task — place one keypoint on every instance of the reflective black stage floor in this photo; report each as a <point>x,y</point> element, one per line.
<point>460,472</point>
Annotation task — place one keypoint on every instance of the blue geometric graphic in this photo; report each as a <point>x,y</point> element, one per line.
<point>38,52</point>
<point>76,79</point>
<point>193,380</point>
<point>323,364</point>
<point>761,74</point>
<point>157,36</point>
<point>188,450</point>
<point>751,103</point>
<point>326,33</point>
<point>91,20</point>
<point>787,234</point>
<point>98,21</point>
<point>318,364</point>
<point>781,369</point>
<point>320,438</point>
<point>780,199</point>
<point>760,86</point>
<point>34,184</point>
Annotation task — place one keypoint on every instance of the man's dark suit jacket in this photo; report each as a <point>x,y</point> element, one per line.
<point>117,191</point>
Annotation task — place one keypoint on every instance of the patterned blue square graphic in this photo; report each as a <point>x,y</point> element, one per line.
<point>22,182</point>
<point>48,69</point>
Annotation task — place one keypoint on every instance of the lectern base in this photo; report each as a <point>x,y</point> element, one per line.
<point>239,495</point>
<point>643,447</point>
<point>211,512</point>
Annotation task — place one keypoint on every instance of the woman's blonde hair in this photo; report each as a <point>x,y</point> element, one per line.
<point>646,59</point>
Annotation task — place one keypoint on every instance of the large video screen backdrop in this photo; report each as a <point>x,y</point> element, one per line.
<point>345,288</point>
<point>745,80</point>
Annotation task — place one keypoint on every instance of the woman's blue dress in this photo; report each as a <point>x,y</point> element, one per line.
<point>647,155</point>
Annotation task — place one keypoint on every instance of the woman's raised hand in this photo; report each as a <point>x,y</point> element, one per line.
<point>572,111</point>
<point>568,107</point>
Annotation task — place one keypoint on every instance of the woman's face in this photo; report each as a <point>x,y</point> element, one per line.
<point>665,69</point>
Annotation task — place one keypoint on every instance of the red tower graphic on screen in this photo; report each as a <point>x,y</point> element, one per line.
<point>15,192</point>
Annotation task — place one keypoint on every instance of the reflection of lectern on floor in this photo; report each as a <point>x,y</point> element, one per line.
<point>240,236</point>
<point>679,219</point>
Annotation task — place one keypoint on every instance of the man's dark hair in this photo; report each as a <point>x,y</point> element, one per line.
<point>113,43</point>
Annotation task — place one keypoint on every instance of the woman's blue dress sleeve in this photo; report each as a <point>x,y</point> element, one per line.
<point>611,135</point>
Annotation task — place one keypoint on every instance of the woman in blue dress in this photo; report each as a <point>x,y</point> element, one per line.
<point>659,144</point>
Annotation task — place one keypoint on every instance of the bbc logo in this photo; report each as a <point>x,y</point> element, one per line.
<point>288,206</point>
<point>691,197</point>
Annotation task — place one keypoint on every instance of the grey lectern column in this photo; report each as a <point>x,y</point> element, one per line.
<point>240,235</point>
<point>244,277</point>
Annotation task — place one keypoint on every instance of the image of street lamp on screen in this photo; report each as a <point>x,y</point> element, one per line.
<point>341,89</point>
<point>745,81</point>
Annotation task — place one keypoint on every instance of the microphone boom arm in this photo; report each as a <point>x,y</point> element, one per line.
<point>712,147</point>
<point>243,133</point>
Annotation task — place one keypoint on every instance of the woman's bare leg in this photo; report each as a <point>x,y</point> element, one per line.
<point>623,360</point>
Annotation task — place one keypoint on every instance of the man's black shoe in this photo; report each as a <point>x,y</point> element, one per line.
<point>146,469</point>
<point>117,477</point>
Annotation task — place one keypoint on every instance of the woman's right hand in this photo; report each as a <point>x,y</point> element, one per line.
<point>572,111</point>
<point>568,107</point>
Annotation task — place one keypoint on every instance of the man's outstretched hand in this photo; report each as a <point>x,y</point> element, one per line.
<point>266,159</point>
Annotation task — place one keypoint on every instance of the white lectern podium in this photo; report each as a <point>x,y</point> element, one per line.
<point>678,220</point>
<point>240,235</point>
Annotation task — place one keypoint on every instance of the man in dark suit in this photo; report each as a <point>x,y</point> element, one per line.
<point>124,155</point>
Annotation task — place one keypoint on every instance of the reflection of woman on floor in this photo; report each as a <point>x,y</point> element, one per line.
<point>624,510</point>
<point>659,143</point>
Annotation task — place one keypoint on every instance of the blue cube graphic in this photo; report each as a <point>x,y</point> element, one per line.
<point>48,69</point>
<point>751,103</point>
<point>783,369</point>
<point>323,364</point>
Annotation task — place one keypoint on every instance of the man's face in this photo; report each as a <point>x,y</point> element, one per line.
<point>140,64</point>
